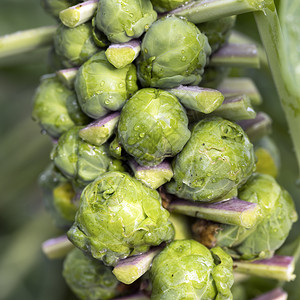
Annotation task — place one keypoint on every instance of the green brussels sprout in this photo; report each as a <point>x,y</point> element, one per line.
<point>53,7</point>
<point>158,128</point>
<point>124,20</point>
<point>268,157</point>
<point>276,218</point>
<point>56,108</point>
<point>186,269</point>
<point>101,88</point>
<point>59,196</point>
<point>217,31</point>
<point>118,217</point>
<point>167,5</point>
<point>74,45</point>
<point>216,160</point>
<point>178,56</point>
<point>81,161</point>
<point>89,278</point>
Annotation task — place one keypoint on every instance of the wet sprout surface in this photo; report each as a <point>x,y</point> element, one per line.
<point>147,148</point>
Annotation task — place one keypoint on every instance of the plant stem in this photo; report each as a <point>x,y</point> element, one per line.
<point>235,86</point>
<point>27,40</point>
<point>233,211</point>
<point>278,267</point>
<point>276,294</point>
<point>206,10</point>
<point>78,14</point>
<point>67,76</point>
<point>57,247</point>
<point>258,127</point>
<point>132,268</point>
<point>236,55</point>
<point>272,38</point>
<point>236,108</point>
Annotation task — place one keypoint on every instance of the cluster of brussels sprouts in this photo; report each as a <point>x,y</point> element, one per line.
<point>139,120</point>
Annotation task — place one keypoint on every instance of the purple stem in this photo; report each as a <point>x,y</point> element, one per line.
<point>258,127</point>
<point>57,247</point>
<point>234,55</point>
<point>138,296</point>
<point>277,267</point>
<point>276,294</point>
<point>233,211</point>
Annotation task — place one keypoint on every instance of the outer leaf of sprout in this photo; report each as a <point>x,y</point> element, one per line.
<point>202,274</point>
<point>119,217</point>
<point>277,216</point>
<point>168,60</point>
<point>79,160</point>
<point>89,278</point>
<point>217,159</point>
<point>167,5</point>
<point>50,106</point>
<point>122,23</point>
<point>158,128</point>
<point>217,31</point>
<point>75,45</point>
<point>101,88</point>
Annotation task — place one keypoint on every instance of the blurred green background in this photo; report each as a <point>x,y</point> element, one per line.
<point>24,153</point>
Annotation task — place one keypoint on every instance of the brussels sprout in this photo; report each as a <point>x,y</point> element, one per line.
<point>158,128</point>
<point>54,7</point>
<point>101,88</point>
<point>75,45</point>
<point>186,269</point>
<point>81,161</point>
<point>217,31</point>
<point>59,196</point>
<point>124,20</point>
<point>268,157</point>
<point>277,216</point>
<point>56,108</point>
<point>89,278</point>
<point>167,5</point>
<point>178,56</point>
<point>115,148</point>
<point>118,217</point>
<point>217,160</point>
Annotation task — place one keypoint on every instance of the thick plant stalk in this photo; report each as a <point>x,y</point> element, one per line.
<point>272,38</point>
<point>278,267</point>
<point>25,41</point>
